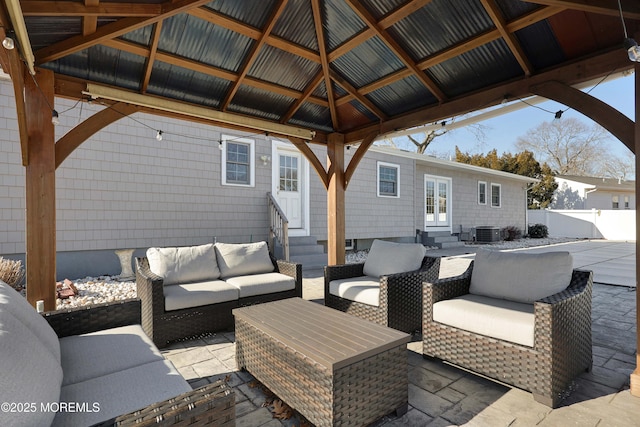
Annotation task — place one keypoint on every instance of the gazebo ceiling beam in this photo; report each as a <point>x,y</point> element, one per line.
<point>324,60</point>
<point>570,75</point>
<point>631,8</point>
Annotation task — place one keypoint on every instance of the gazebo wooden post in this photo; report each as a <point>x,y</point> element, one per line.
<point>40,190</point>
<point>335,199</point>
<point>635,375</point>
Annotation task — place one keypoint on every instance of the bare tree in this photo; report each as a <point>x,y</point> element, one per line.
<point>613,166</point>
<point>569,146</point>
<point>429,136</point>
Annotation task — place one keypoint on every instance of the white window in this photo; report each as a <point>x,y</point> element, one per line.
<point>615,202</point>
<point>388,180</point>
<point>238,166</point>
<point>496,196</point>
<point>482,193</point>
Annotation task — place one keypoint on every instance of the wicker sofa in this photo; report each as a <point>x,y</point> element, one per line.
<point>523,319</point>
<point>386,288</point>
<point>190,291</point>
<point>94,366</point>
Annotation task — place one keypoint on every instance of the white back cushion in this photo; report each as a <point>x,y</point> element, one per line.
<point>389,258</point>
<point>239,259</point>
<point>521,277</point>
<point>12,302</point>
<point>184,265</point>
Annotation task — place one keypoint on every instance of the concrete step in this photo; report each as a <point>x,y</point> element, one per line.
<point>312,261</point>
<point>305,249</point>
<point>302,240</point>
<point>446,245</point>
<point>436,233</point>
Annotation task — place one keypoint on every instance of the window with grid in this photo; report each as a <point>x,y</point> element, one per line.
<point>237,161</point>
<point>388,177</point>
<point>615,202</point>
<point>496,197</point>
<point>482,193</point>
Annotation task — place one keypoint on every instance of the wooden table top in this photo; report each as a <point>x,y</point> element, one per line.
<point>329,337</point>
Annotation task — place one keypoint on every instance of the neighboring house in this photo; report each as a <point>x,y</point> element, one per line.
<point>123,188</point>
<point>587,192</point>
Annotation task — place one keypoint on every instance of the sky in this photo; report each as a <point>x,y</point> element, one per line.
<point>503,131</point>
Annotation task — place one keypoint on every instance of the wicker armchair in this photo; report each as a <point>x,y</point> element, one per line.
<point>212,404</point>
<point>400,304</point>
<point>562,339</point>
<point>164,327</point>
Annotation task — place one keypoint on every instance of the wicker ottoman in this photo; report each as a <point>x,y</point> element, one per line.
<point>334,368</point>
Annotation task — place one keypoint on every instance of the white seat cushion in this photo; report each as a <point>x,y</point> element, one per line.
<point>29,372</point>
<point>120,393</point>
<point>11,301</point>
<point>386,258</point>
<point>363,289</point>
<point>184,265</point>
<point>260,284</point>
<point>196,294</point>
<point>497,318</point>
<point>100,353</point>
<point>520,277</point>
<point>240,259</point>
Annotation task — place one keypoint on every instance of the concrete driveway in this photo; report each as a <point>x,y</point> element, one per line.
<point>612,262</point>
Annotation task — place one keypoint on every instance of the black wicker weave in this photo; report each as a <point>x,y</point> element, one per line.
<point>209,405</point>
<point>562,340</point>
<point>164,327</point>
<point>400,305</point>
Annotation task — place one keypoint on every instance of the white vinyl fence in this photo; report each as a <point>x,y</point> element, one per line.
<point>589,224</point>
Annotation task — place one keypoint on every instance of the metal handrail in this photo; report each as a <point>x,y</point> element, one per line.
<point>278,225</point>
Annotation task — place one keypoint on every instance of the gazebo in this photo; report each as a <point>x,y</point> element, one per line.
<point>329,72</point>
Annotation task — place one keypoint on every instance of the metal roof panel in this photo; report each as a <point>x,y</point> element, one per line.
<point>252,12</point>
<point>402,96</point>
<point>367,63</point>
<point>293,71</point>
<point>296,24</point>
<point>260,103</point>
<point>340,23</point>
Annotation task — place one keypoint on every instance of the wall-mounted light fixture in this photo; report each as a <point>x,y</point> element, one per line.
<point>265,159</point>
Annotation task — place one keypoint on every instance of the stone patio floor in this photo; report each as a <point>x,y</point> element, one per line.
<point>444,395</point>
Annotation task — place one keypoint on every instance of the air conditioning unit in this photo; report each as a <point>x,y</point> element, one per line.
<point>488,234</point>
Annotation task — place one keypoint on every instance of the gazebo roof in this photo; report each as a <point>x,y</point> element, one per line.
<point>345,66</point>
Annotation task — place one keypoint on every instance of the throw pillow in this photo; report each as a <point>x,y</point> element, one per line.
<point>390,258</point>
<point>239,259</point>
<point>520,277</point>
<point>185,264</point>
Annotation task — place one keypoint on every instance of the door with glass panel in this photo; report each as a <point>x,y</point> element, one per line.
<point>437,201</point>
<point>289,186</point>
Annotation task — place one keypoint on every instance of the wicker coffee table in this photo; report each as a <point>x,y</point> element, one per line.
<point>334,368</point>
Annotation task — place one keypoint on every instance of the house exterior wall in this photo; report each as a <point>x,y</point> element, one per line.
<point>466,211</point>
<point>583,195</point>
<point>122,188</point>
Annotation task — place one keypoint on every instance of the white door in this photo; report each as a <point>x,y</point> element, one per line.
<point>437,201</point>
<point>289,186</point>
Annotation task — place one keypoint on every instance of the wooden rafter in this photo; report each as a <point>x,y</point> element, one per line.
<point>324,60</point>
<point>514,45</point>
<point>367,141</point>
<point>93,9</point>
<point>570,74</point>
<point>223,21</point>
<point>199,67</point>
<point>153,50</point>
<point>402,12</point>
<point>354,92</point>
<point>458,49</point>
<point>305,95</point>
<point>111,31</point>
<point>630,8</point>
<point>369,20</point>
<point>253,53</point>
<point>89,22</point>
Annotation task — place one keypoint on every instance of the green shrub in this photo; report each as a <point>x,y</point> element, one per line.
<point>538,231</point>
